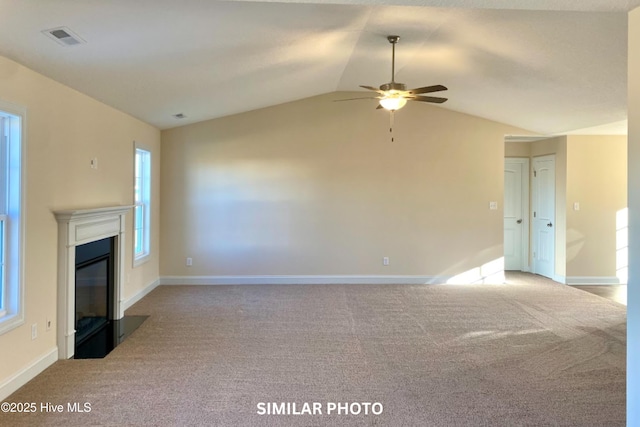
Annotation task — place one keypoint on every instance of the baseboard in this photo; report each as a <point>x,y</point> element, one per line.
<point>301,280</point>
<point>592,280</point>
<point>126,304</point>
<point>28,373</point>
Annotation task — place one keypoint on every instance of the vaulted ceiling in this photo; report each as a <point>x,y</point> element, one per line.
<point>550,67</point>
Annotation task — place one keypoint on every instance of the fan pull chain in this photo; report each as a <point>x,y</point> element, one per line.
<point>391,124</point>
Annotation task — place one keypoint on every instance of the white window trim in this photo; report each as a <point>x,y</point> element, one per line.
<point>141,259</point>
<point>13,317</point>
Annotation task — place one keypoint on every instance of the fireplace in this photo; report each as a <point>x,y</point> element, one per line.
<point>94,288</point>
<point>84,273</point>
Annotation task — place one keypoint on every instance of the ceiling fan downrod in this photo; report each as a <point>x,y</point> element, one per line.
<point>393,86</point>
<point>393,40</point>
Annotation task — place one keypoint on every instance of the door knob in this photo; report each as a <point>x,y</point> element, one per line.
<point>549,225</point>
<point>519,221</point>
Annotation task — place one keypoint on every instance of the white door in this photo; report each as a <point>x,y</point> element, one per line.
<point>516,211</point>
<point>544,209</point>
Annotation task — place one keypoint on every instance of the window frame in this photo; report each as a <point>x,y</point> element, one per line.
<point>12,197</point>
<point>144,204</point>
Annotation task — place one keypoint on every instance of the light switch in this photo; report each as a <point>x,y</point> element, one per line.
<point>493,206</point>
<point>576,206</point>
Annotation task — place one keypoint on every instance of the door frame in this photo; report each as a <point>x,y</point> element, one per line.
<point>525,264</point>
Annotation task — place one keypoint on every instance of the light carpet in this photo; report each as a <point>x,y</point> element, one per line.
<point>527,353</point>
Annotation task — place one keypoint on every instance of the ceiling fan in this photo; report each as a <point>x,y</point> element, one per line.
<point>393,96</point>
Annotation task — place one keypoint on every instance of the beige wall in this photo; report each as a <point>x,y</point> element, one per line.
<point>597,180</point>
<point>64,130</point>
<point>517,149</point>
<point>315,187</point>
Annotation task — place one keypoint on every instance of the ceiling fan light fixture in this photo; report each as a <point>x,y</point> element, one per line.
<point>393,96</point>
<point>393,103</point>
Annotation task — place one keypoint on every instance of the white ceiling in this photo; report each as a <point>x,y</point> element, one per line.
<point>549,66</point>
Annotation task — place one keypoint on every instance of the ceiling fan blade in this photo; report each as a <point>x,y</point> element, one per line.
<point>433,99</point>
<point>427,89</point>
<point>353,99</point>
<point>372,88</point>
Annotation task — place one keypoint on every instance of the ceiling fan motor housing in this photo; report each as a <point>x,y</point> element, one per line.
<point>393,86</point>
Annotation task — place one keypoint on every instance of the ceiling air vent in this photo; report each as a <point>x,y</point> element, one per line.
<point>64,36</point>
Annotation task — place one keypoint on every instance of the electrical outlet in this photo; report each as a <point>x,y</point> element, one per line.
<point>385,260</point>
<point>94,163</point>
<point>493,206</point>
<point>189,262</point>
<point>34,331</point>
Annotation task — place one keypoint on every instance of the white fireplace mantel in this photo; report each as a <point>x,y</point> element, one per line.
<point>77,227</point>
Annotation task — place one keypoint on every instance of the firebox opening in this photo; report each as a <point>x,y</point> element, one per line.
<point>94,288</point>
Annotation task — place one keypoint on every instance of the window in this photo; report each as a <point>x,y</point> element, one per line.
<point>142,214</point>
<point>11,291</point>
